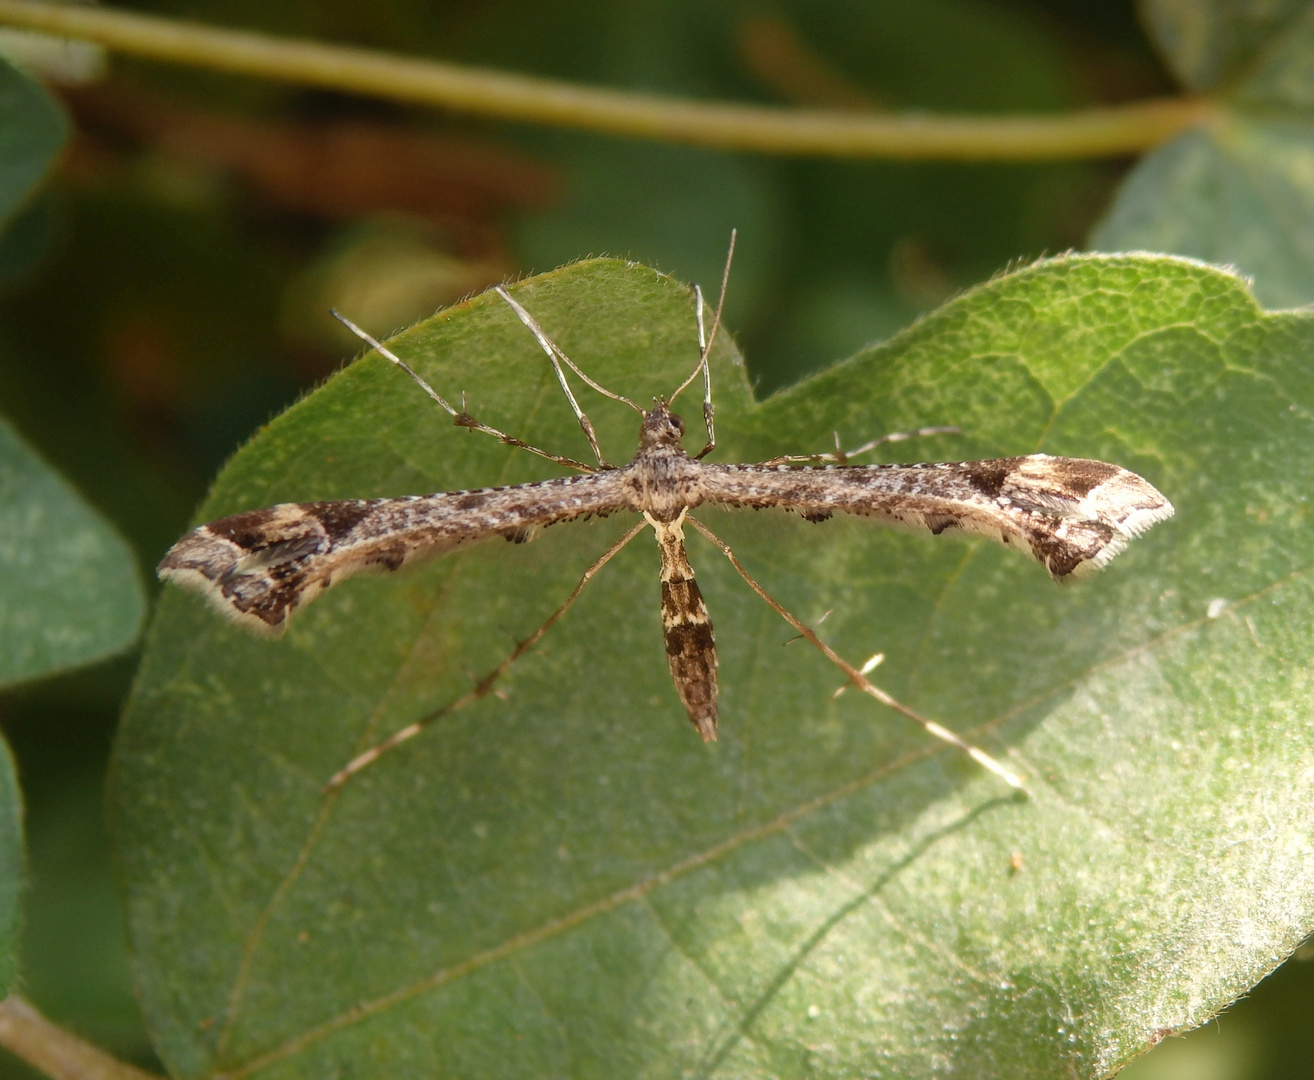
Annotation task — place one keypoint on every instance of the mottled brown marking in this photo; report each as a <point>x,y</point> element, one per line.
<point>244,528</point>
<point>989,477</point>
<point>1064,557</point>
<point>1080,476</point>
<point>339,518</point>
<point>687,628</point>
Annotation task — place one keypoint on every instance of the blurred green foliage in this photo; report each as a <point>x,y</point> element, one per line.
<point>1239,192</point>
<point>163,295</point>
<point>69,593</point>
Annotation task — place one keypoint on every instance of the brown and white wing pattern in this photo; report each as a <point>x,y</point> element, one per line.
<point>260,566</point>
<point>1070,514</point>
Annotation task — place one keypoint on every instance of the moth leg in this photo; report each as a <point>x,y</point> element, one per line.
<point>484,685</point>
<point>840,456</point>
<point>704,347</point>
<point>857,677</point>
<point>558,357</point>
<point>460,417</point>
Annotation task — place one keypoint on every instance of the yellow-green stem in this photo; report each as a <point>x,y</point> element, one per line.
<point>1116,130</point>
<point>60,1054</point>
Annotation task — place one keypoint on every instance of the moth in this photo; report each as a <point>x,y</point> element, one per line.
<point>259,567</point>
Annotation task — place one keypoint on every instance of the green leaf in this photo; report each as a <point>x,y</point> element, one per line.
<point>33,130</point>
<point>1240,191</point>
<point>69,588</point>
<point>566,882</point>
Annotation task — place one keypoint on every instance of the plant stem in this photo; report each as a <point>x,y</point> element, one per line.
<point>1115,130</point>
<point>56,1052</point>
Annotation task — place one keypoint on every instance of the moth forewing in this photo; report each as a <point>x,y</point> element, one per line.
<point>261,566</point>
<point>1072,515</point>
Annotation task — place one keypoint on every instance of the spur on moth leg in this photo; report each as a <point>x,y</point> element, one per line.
<point>1071,515</point>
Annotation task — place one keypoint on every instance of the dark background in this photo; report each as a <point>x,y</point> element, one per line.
<point>167,294</point>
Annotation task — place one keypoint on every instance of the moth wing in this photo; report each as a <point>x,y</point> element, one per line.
<point>1072,515</point>
<point>258,567</point>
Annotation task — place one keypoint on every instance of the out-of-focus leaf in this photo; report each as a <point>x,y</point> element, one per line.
<point>26,241</point>
<point>69,587</point>
<point>32,132</point>
<point>1241,191</point>
<point>1243,197</point>
<point>1207,43</point>
<point>566,882</point>
<point>805,227</point>
<point>1280,75</point>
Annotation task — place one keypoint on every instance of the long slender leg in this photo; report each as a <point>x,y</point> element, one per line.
<point>895,436</point>
<point>708,410</point>
<point>702,353</point>
<point>459,416</point>
<point>555,352</point>
<point>557,357</point>
<point>842,457</point>
<point>856,676</point>
<point>704,347</point>
<point>486,684</point>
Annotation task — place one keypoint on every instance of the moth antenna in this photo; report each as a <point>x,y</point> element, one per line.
<point>702,347</point>
<point>720,301</point>
<point>705,341</point>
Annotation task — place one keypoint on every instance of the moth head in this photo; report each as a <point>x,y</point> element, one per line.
<point>660,426</point>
